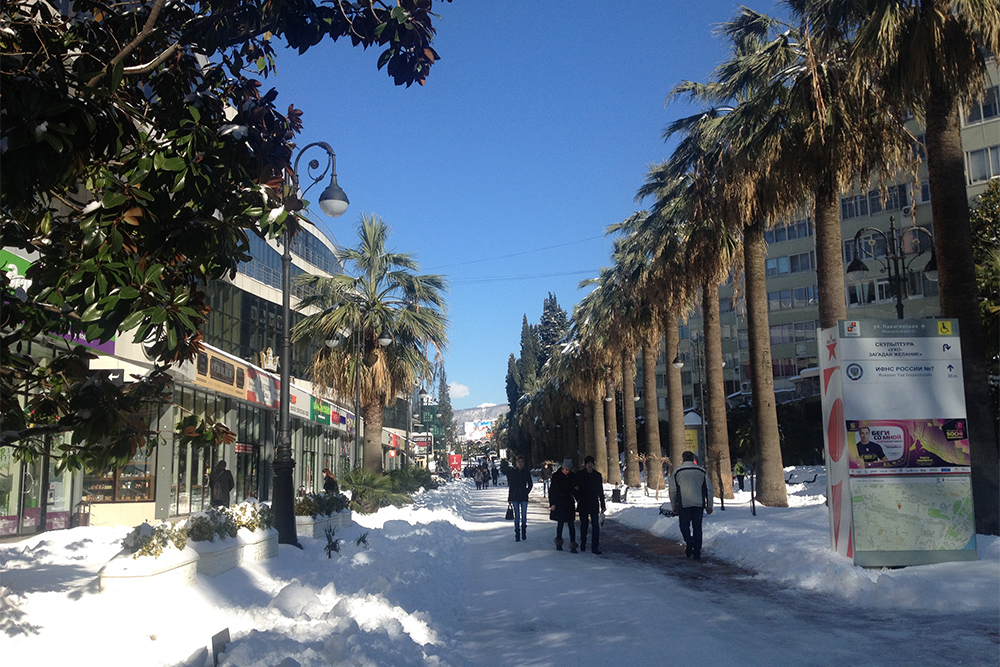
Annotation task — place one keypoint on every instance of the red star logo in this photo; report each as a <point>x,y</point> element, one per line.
<point>832,347</point>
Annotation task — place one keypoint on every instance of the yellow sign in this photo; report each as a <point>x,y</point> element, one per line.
<point>691,440</point>
<point>944,327</point>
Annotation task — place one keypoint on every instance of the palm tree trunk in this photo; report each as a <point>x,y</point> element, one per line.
<point>654,452</point>
<point>715,390</point>
<point>614,474</point>
<point>603,462</point>
<point>769,468</point>
<point>675,392</point>
<point>960,297</point>
<point>372,459</point>
<point>628,428</point>
<point>596,445</point>
<point>829,256</point>
<point>588,425</point>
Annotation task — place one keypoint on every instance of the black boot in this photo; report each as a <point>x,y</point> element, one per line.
<point>517,535</point>
<point>523,534</point>
<point>559,543</point>
<point>572,547</point>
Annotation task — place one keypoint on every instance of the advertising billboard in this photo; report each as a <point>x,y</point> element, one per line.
<point>897,448</point>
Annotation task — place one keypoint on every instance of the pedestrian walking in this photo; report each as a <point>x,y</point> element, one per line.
<point>591,504</point>
<point>690,498</point>
<point>220,484</point>
<point>518,487</point>
<point>546,476</point>
<point>740,471</point>
<point>562,504</point>
<point>495,473</point>
<point>330,482</point>
<point>478,477</point>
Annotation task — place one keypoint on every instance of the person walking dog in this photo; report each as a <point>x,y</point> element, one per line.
<point>690,497</point>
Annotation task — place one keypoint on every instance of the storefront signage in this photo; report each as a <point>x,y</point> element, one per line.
<point>898,464</point>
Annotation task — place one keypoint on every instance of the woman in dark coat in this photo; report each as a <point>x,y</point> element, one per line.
<point>519,484</point>
<point>562,504</point>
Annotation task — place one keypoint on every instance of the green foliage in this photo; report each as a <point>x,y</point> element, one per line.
<point>251,515</point>
<point>147,540</point>
<point>552,328</point>
<point>332,543</point>
<point>320,504</point>
<point>445,414</point>
<point>205,526</point>
<point>371,490</point>
<point>145,159</point>
<point>412,479</point>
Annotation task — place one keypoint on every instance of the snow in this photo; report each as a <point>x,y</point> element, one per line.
<point>442,582</point>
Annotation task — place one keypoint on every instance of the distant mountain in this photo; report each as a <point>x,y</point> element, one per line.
<point>482,413</point>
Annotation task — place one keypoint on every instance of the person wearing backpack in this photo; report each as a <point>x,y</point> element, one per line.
<point>690,497</point>
<point>220,483</point>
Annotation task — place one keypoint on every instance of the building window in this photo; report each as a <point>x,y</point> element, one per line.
<point>853,207</point>
<point>893,199</point>
<point>983,164</point>
<point>925,191</point>
<point>986,108</point>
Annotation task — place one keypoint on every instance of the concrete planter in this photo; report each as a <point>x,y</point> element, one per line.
<point>172,568</point>
<point>306,526</point>
<point>218,556</point>
<point>258,545</point>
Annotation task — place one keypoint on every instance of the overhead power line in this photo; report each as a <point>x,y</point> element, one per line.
<point>514,254</point>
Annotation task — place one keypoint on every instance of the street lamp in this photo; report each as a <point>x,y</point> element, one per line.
<point>895,262</point>
<point>332,202</point>
<point>696,347</point>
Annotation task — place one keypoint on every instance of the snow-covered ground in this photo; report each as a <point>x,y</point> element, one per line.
<point>442,582</point>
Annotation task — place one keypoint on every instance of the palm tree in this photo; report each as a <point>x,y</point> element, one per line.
<point>930,56</point>
<point>385,300</point>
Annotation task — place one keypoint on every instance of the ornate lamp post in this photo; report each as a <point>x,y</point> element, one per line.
<point>895,262</point>
<point>332,202</point>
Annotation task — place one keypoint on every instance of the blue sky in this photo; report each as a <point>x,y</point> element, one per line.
<point>531,135</point>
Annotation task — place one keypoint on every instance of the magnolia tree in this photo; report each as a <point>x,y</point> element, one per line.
<point>140,151</point>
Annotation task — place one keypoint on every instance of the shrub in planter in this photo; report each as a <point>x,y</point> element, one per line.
<point>147,540</point>
<point>371,490</point>
<point>251,514</point>
<point>205,526</point>
<point>320,504</point>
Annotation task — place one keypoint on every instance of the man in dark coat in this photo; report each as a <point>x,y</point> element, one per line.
<point>562,505</point>
<point>220,484</point>
<point>591,501</point>
<point>519,484</point>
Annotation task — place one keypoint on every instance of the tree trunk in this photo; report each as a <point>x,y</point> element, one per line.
<point>829,255</point>
<point>654,452</point>
<point>768,465</point>
<point>960,297</point>
<point>373,436</point>
<point>675,392</point>
<point>597,442</point>
<point>628,428</point>
<point>715,390</point>
<point>603,462</point>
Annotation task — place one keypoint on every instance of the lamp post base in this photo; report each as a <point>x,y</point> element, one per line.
<point>283,503</point>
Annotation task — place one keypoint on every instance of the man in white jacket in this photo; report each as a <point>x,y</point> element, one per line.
<point>690,496</point>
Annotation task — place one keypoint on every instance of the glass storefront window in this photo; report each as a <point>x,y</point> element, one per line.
<point>133,482</point>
